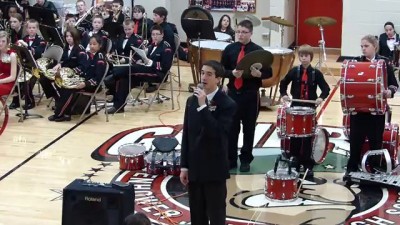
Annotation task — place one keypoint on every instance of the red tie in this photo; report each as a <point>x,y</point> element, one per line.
<point>135,29</point>
<point>239,81</point>
<point>304,86</point>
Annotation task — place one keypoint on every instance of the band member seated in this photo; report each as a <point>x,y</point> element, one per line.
<point>16,27</point>
<point>224,26</point>
<point>305,80</point>
<point>12,10</point>
<point>142,24</point>
<point>122,46</point>
<point>151,69</point>
<point>93,72</point>
<point>245,92</point>
<point>86,23</point>
<point>97,25</point>
<point>36,45</point>
<point>160,18</point>
<point>47,5</point>
<point>366,125</point>
<point>388,42</point>
<point>117,15</point>
<point>70,59</point>
<point>8,65</point>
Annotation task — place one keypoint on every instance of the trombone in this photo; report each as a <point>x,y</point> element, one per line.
<point>144,26</point>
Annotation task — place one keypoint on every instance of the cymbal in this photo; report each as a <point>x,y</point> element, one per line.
<point>278,20</point>
<point>240,17</point>
<point>260,56</point>
<point>320,20</point>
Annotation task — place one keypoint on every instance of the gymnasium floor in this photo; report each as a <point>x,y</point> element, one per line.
<point>39,158</point>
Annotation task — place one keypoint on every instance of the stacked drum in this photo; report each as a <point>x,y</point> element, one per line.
<point>163,160</point>
<point>294,122</point>
<point>361,90</point>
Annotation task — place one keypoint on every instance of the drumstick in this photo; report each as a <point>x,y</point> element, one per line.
<point>301,182</point>
<point>304,101</point>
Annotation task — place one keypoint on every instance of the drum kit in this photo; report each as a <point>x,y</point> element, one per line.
<point>281,183</point>
<point>163,160</point>
<point>362,87</point>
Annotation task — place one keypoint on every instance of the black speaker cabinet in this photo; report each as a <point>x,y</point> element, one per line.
<point>87,203</point>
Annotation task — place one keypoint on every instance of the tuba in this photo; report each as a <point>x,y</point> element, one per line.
<point>66,78</point>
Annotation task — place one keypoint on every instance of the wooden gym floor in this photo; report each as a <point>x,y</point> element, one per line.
<point>39,158</point>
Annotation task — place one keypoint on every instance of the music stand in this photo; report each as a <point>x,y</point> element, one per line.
<point>198,29</point>
<point>51,35</point>
<point>42,15</point>
<point>27,61</point>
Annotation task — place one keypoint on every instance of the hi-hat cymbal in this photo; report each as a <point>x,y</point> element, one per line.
<point>279,20</point>
<point>265,58</point>
<point>254,20</point>
<point>320,20</point>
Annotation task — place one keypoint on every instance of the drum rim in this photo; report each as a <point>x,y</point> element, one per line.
<point>325,150</point>
<point>131,155</point>
<point>208,47</point>
<point>293,176</point>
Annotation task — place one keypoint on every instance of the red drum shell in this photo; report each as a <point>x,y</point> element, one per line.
<point>281,186</point>
<point>131,157</point>
<point>362,85</point>
<point>300,121</point>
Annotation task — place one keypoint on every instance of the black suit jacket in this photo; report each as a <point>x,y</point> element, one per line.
<point>38,44</point>
<point>205,138</point>
<point>133,40</point>
<point>383,47</point>
<point>71,60</point>
<point>162,57</point>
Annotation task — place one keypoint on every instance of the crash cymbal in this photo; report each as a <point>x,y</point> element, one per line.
<point>265,58</point>
<point>239,17</point>
<point>278,20</point>
<point>320,20</point>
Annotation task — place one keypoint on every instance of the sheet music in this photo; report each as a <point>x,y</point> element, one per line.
<point>141,53</point>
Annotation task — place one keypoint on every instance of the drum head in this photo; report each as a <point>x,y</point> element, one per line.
<point>298,110</point>
<point>278,51</point>
<point>131,150</point>
<point>320,145</point>
<point>210,44</point>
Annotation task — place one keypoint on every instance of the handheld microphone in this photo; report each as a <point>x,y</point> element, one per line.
<point>200,86</point>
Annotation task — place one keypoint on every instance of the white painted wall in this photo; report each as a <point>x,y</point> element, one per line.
<point>362,17</point>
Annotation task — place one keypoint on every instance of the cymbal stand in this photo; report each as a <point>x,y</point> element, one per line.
<point>282,34</point>
<point>322,54</point>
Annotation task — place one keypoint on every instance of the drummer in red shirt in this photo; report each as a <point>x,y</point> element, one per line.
<point>305,79</point>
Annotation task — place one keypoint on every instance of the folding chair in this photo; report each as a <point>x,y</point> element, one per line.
<point>177,44</point>
<point>93,96</point>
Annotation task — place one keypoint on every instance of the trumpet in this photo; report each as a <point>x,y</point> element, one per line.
<point>84,16</point>
<point>127,12</point>
<point>144,26</point>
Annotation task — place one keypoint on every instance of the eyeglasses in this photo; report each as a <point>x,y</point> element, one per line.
<point>242,32</point>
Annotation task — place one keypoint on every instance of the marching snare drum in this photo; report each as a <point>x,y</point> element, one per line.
<point>222,36</point>
<point>300,122</point>
<point>281,186</point>
<point>131,156</point>
<point>362,85</point>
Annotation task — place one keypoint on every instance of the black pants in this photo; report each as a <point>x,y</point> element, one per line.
<point>49,88</point>
<point>207,202</point>
<point>248,103</point>
<point>66,100</point>
<point>364,125</point>
<point>301,149</point>
<point>139,73</point>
